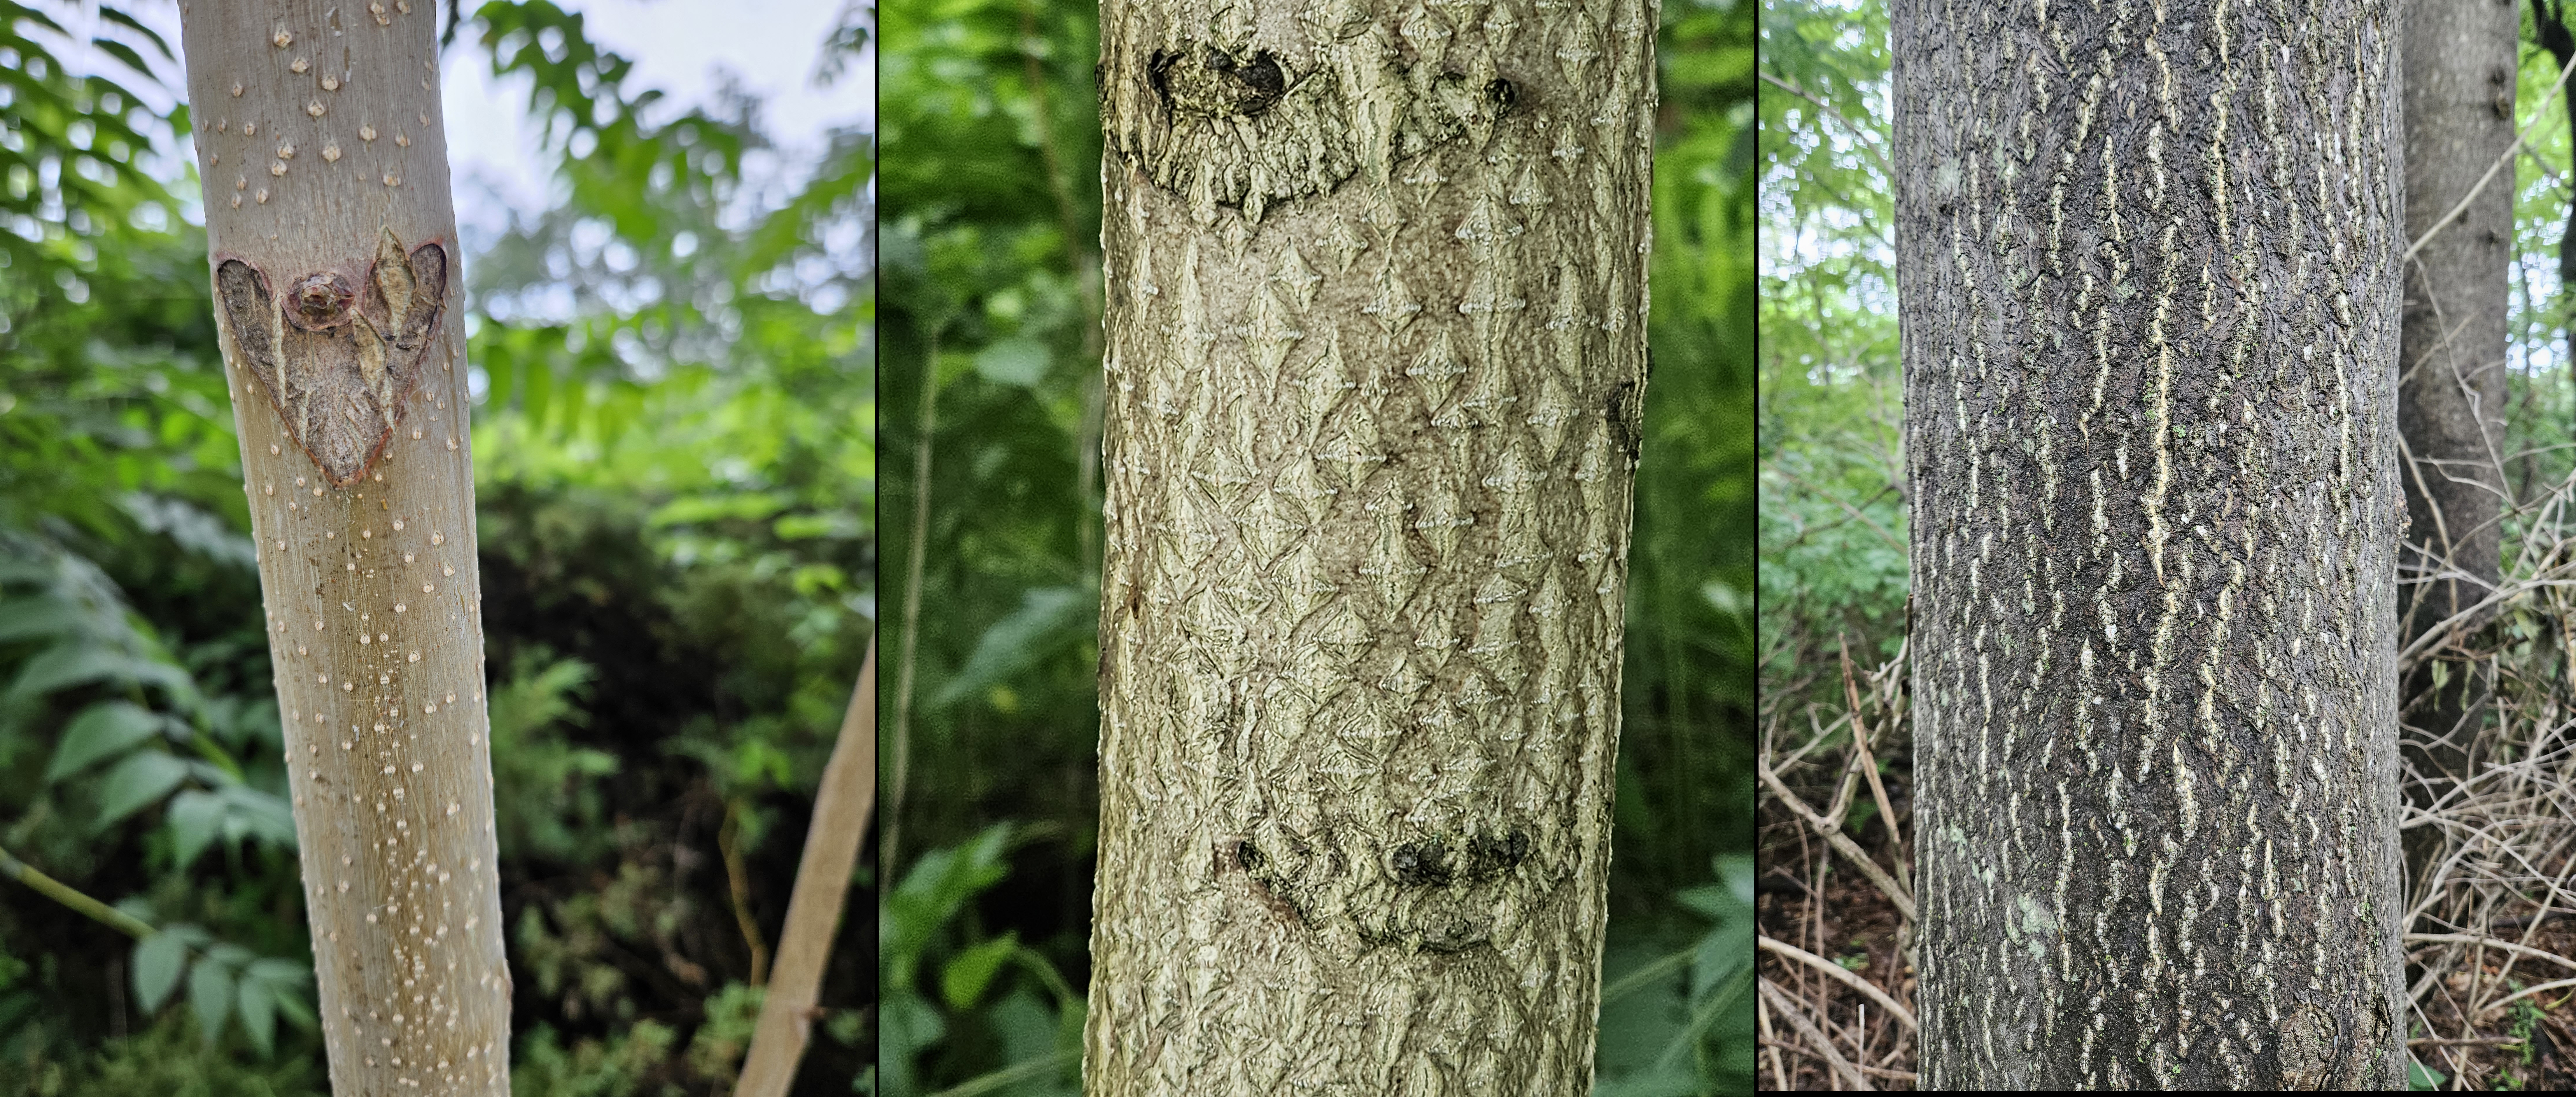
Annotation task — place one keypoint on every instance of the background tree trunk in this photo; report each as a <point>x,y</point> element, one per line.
<point>2150,311</point>
<point>2549,25</point>
<point>1375,349</point>
<point>2461,60</point>
<point>339,294</point>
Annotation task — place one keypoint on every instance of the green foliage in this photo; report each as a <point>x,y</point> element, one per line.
<point>1049,620</point>
<point>167,1060</point>
<point>1675,1022</point>
<point>1686,792</point>
<point>622,1066</point>
<point>990,297</point>
<point>1027,1040</point>
<point>541,784</point>
<point>114,758</point>
<point>2540,404</point>
<point>104,730</point>
<point>716,1051</point>
<point>1833,513</point>
<point>17,1003</point>
<point>115,450</point>
<point>2526,1020</point>
<point>963,981</point>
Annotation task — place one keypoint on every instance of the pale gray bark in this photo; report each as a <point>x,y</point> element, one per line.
<point>338,293</point>
<point>1375,350</point>
<point>2461,58</point>
<point>2150,307</point>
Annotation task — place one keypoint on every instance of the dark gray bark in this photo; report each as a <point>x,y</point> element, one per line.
<point>2460,68</point>
<point>2150,306</point>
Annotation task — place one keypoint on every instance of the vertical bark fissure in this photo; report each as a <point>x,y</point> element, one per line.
<point>1375,292</point>
<point>332,239</point>
<point>2149,319</point>
<point>2461,71</point>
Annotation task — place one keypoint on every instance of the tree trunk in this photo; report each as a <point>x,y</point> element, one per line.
<point>1375,351</point>
<point>2150,301</point>
<point>2460,74</point>
<point>337,291</point>
<point>2549,25</point>
<point>841,805</point>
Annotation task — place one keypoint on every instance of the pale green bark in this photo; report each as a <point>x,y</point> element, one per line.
<point>1375,351</point>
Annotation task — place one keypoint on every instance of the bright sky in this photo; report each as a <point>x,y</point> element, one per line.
<point>683,47</point>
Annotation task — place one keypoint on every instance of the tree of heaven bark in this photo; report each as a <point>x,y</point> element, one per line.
<point>2460,62</point>
<point>337,291</point>
<point>1375,353</point>
<point>2148,260</point>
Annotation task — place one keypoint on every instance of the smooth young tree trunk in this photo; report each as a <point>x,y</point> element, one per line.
<point>2461,61</point>
<point>841,806</point>
<point>2150,299</point>
<point>1375,351</point>
<point>339,295</point>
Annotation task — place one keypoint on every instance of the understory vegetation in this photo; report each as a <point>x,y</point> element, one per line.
<point>675,473</point>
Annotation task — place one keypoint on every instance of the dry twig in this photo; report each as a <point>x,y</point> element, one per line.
<point>1837,973</point>
<point>1787,1007</point>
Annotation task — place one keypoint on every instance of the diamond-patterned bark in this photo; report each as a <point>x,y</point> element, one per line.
<point>1368,524</point>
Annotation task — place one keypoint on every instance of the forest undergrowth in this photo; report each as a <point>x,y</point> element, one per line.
<point>2490,932</point>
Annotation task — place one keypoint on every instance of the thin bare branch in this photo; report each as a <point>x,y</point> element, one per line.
<point>1837,973</point>
<point>1787,1007</point>
<point>1832,833</point>
<point>841,807</point>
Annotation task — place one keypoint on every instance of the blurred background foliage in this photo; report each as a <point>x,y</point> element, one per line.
<point>1833,505</point>
<point>991,204</point>
<point>675,460</point>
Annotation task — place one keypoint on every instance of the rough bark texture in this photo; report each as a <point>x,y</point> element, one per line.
<point>1376,346</point>
<point>2461,59</point>
<point>337,290</point>
<point>2148,257</point>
